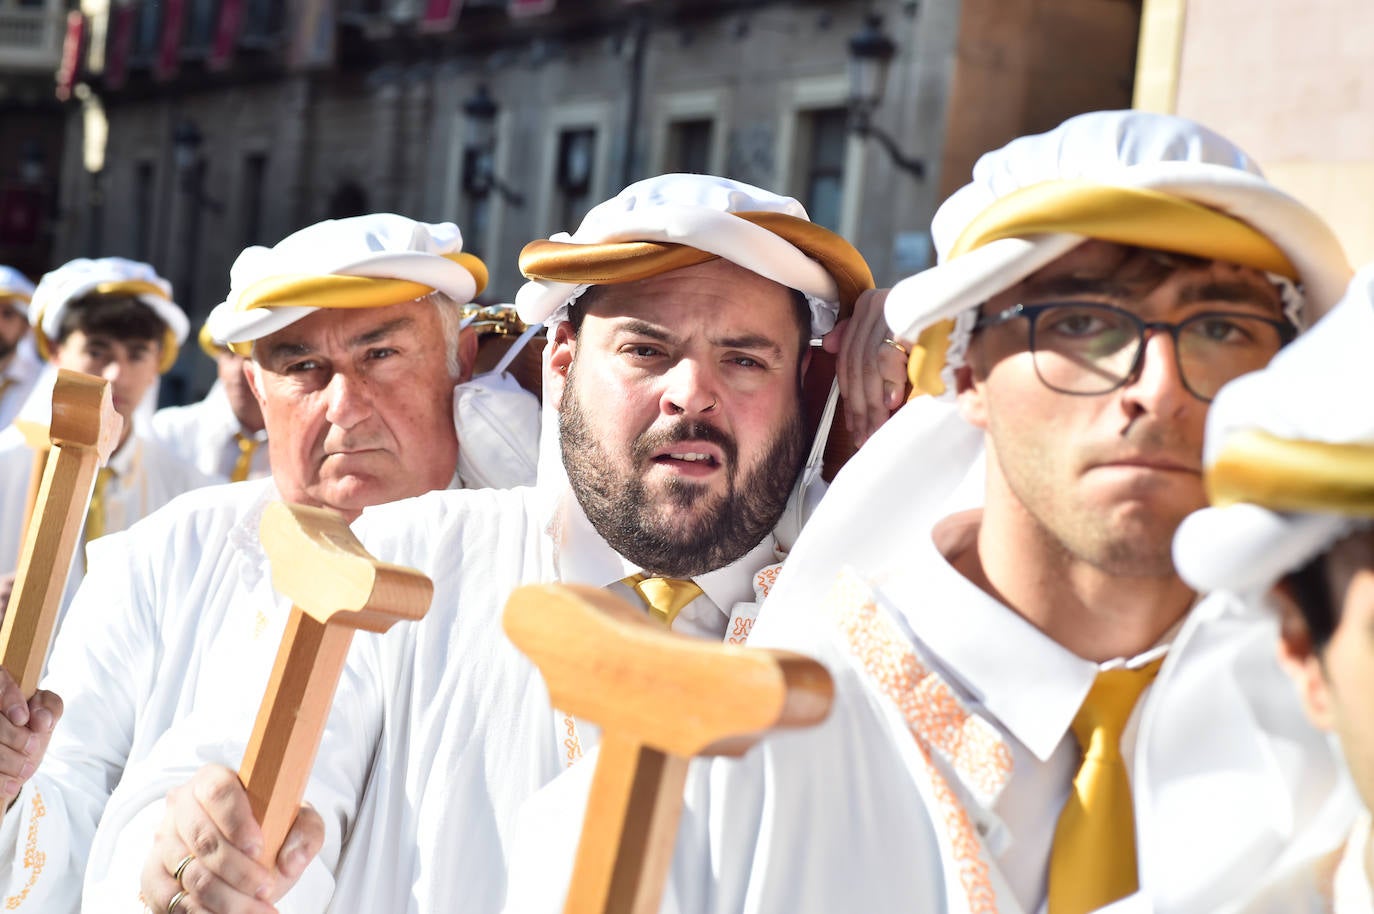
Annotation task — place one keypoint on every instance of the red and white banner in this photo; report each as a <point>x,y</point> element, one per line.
<point>73,45</point>
<point>440,15</point>
<point>117,46</point>
<point>226,39</point>
<point>520,9</point>
<point>169,44</point>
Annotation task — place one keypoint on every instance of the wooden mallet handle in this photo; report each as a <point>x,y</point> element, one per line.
<point>336,587</point>
<point>660,699</point>
<point>84,432</point>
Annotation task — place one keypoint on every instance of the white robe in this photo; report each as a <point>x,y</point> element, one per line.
<point>916,794</point>
<point>1337,883</point>
<point>131,661</point>
<point>23,371</point>
<point>440,730</point>
<point>204,434</point>
<point>146,478</point>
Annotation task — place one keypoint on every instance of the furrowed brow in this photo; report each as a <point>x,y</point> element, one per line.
<point>377,334</point>
<point>1236,293</point>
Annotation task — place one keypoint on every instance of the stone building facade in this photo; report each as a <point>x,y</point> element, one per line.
<point>313,109</point>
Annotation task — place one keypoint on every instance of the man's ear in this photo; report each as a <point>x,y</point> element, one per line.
<point>561,352</point>
<point>467,354</point>
<point>253,372</point>
<point>1300,661</point>
<point>971,396</point>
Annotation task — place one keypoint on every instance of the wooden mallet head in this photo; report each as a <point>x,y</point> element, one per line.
<point>84,432</point>
<point>660,699</point>
<point>336,587</point>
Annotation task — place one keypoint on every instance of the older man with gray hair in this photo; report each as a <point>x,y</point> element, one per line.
<point>352,329</point>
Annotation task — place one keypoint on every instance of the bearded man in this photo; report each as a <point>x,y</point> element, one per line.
<point>677,372</point>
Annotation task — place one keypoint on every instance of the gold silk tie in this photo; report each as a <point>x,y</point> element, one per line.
<point>665,597</point>
<point>95,516</point>
<point>248,446</point>
<point>1093,860</point>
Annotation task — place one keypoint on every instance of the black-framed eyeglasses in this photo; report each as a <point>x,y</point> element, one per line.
<point>1088,348</point>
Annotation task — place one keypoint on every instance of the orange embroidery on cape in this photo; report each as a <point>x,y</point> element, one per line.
<point>34,859</point>
<point>765,579</point>
<point>938,721</point>
<point>740,633</point>
<point>572,746</point>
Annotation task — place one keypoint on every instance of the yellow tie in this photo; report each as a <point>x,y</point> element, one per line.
<point>665,597</point>
<point>95,517</point>
<point>5,385</point>
<point>1093,861</point>
<point>247,447</point>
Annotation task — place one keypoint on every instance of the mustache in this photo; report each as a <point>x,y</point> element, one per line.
<point>685,430</point>
<point>1149,440</point>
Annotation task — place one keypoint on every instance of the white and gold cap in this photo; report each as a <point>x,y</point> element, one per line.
<point>361,262</point>
<point>677,220</point>
<point>1289,457</point>
<point>1130,177</point>
<point>112,276</point>
<point>15,290</point>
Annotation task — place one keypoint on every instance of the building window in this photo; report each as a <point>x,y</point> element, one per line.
<point>573,174</point>
<point>147,31</point>
<point>201,19</point>
<point>689,146</point>
<point>824,134</point>
<point>145,188</point>
<point>254,183</point>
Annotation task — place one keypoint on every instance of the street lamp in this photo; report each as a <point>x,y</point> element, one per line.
<point>479,150</point>
<point>870,54</point>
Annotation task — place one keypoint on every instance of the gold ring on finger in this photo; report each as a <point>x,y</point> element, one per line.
<point>175,902</point>
<point>181,870</point>
<point>896,345</point>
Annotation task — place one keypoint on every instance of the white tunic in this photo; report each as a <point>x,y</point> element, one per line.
<point>158,636</point>
<point>936,782</point>
<point>146,477</point>
<point>440,730</point>
<point>1337,883</point>
<point>22,372</point>
<point>204,434</point>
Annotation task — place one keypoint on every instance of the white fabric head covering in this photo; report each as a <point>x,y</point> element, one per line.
<point>927,462</point>
<point>379,246</point>
<point>1127,149</point>
<point>1315,390</point>
<point>16,289</point>
<point>693,210</point>
<point>79,278</point>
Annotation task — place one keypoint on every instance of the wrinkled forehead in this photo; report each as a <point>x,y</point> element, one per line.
<point>1128,274</point>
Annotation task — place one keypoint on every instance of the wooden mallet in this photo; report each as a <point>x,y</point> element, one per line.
<point>39,440</point>
<point>336,587</point>
<point>660,699</point>
<point>84,432</point>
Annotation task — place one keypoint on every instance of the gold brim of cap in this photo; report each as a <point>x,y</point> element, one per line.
<point>1134,216</point>
<point>170,347</point>
<point>133,287</point>
<point>331,290</point>
<point>627,261</point>
<point>1282,474</point>
<point>208,345</point>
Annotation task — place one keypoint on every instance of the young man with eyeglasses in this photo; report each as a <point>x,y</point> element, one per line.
<point>997,564</point>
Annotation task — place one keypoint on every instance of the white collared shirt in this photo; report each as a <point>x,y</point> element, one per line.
<point>1022,681</point>
<point>583,557</point>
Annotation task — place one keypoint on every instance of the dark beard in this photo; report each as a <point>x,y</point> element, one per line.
<point>630,520</point>
<point>7,348</point>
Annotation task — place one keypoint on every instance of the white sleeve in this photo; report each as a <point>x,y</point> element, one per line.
<point>101,666</point>
<point>335,787</point>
